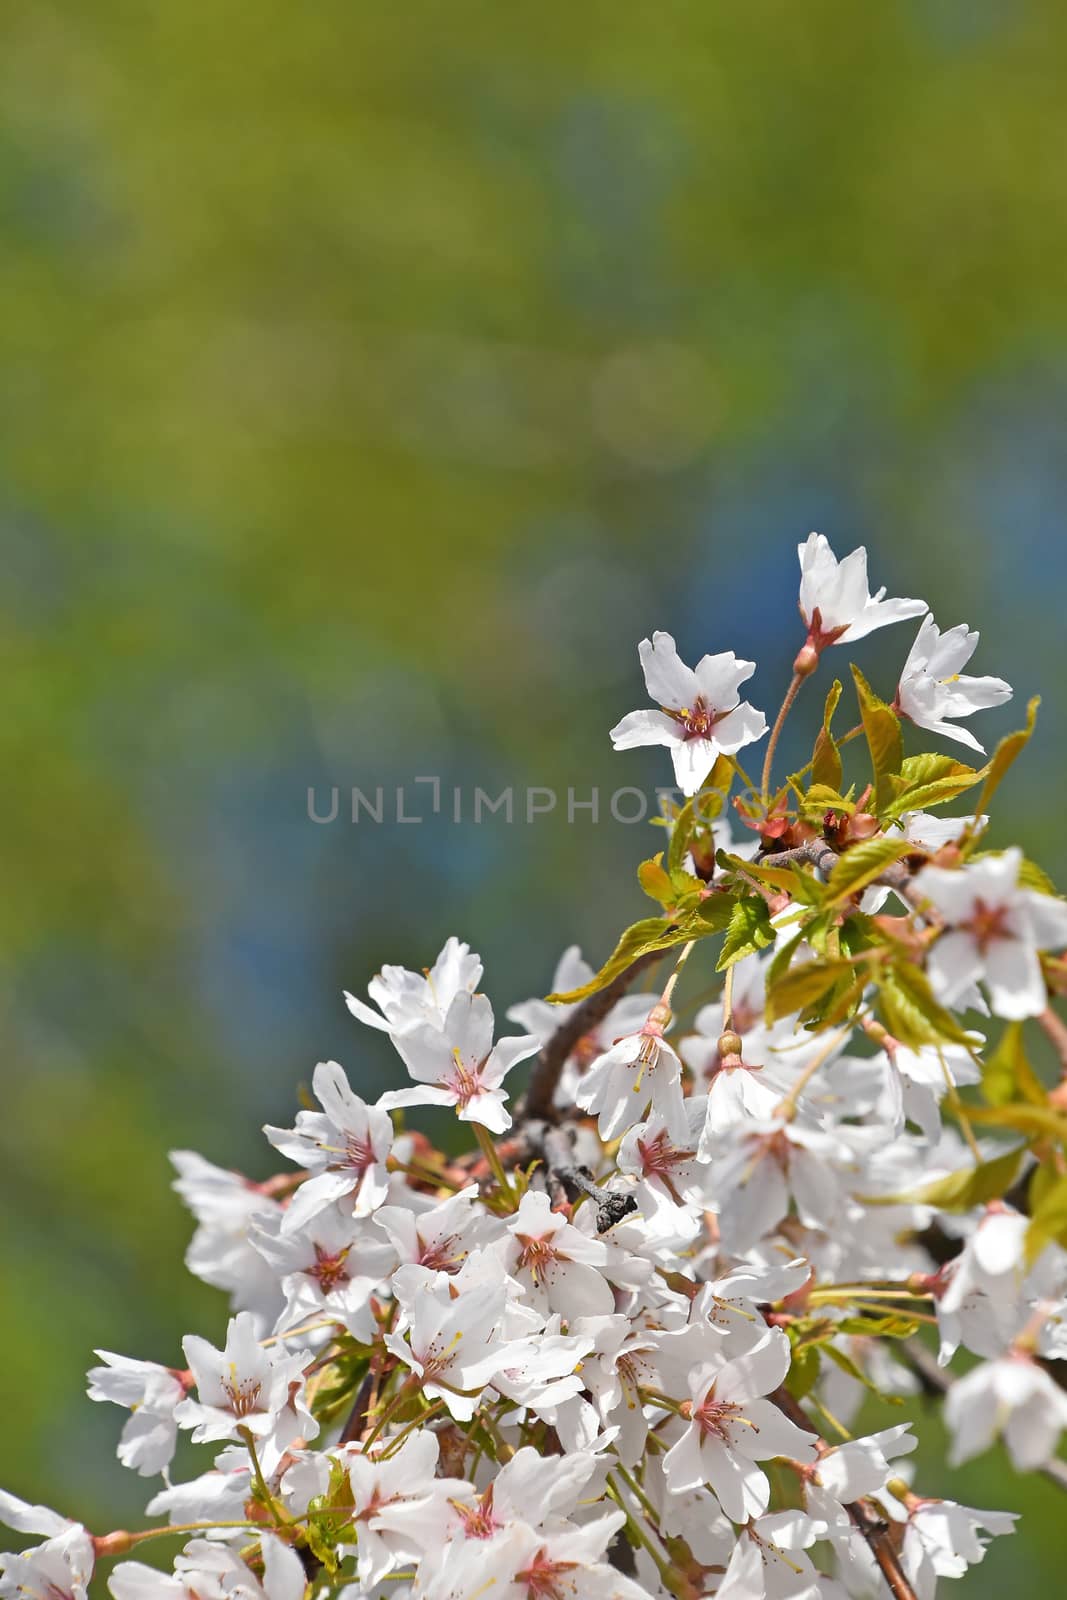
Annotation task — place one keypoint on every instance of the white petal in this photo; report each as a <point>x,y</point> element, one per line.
<point>1016,985</point>
<point>669,681</point>
<point>645,728</point>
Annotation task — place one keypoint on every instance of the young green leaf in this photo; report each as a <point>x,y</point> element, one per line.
<point>959,1191</point>
<point>826,762</point>
<point>802,986</point>
<point>1005,754</point>
<point>803,1371</point>
<point>930,780</point>
<point>651,935</point>
<point>656,882</point>
<point>881,727</point>
<point>862,864</point>
<point>1048,1213</point>
<point>846,1363</point>
<point>681,832</point>
<point>749,930</point>
<point>911,1012</point>
<point>1007,1073</point>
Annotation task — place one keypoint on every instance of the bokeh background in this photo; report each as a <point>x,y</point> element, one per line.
<point>373,377</point>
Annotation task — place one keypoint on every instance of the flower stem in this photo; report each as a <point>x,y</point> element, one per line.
<point>489,1151</point>
<point>181,1528</point>
<point>636,1532</point>
<point>728,1000</point>
<point>269,1502</point>
<point>389,1409</point>
<point>787,1107</point>
<point>779,723</point>
<point>416,1422</point>
<point>665,998</point>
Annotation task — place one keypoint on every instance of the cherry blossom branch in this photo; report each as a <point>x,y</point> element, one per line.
<point>539,1098</point>
<point>823,857</point>
<point>357,1417</point>
<point>571,1180</point>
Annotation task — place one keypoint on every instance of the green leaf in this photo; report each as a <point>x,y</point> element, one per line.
<point>959,1191</point>
<point>893,1325</point>
<point>930,780</point>
<point>643,938</point>
<point>846,1363</point>
<point>801,885</point>
<point>1031,876</point>
<point>749,930</point>
<point>782,957</point>
<point>681,833</point>
<point>911,1012</point>
<point>651,935</point>
<point>1048,1212</point>
<point>881,727</point>
<point>858,932</point>
<point>1036,1121</point>
<point>803,1371</point>
<point>826,768</point>
<point>1005,754</point>
<point>802,986</point>
<point>861,864</point>
<point>710,798</point>
<point>656,882</point>
<point>820,797</point>
<point>1006,1071</point>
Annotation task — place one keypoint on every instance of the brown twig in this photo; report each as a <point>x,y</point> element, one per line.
<point>540,1095</point>
<point>357,1417</point>
<point>823,857</point>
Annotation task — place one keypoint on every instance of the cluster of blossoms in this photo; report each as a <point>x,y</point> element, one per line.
<point>618,1350</point>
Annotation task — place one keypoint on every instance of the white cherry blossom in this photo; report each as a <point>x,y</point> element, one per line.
<point>769,1560</point>
<point>733,1427</point>
<point>58,1569</point>
<point>440,1236</point>
<point>407,1000</point>
<point>934,694</point>
<point>942,1539</point>
<point>328,1268</point>
<point>459,1065</point>
<point>994,928</point>
<point>225,1204</point>
<point>206,1570</point>
<point>394,1496</point>
<point>1013,1397</point>
<point>245,1387</point>
<point>454,1345</point>
<point>639,1070</point>
<point>702,716</point>
<point>151,1393</point>
<point>344,1147</point>
<point>835,602</point>
<point>560,1268</point>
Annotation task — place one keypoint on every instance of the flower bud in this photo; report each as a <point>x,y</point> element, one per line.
<point>807,660</point>
<point>112,1544</point>
<point>729,1044</point>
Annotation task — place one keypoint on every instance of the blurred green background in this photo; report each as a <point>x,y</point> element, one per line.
<point>373,377</point>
